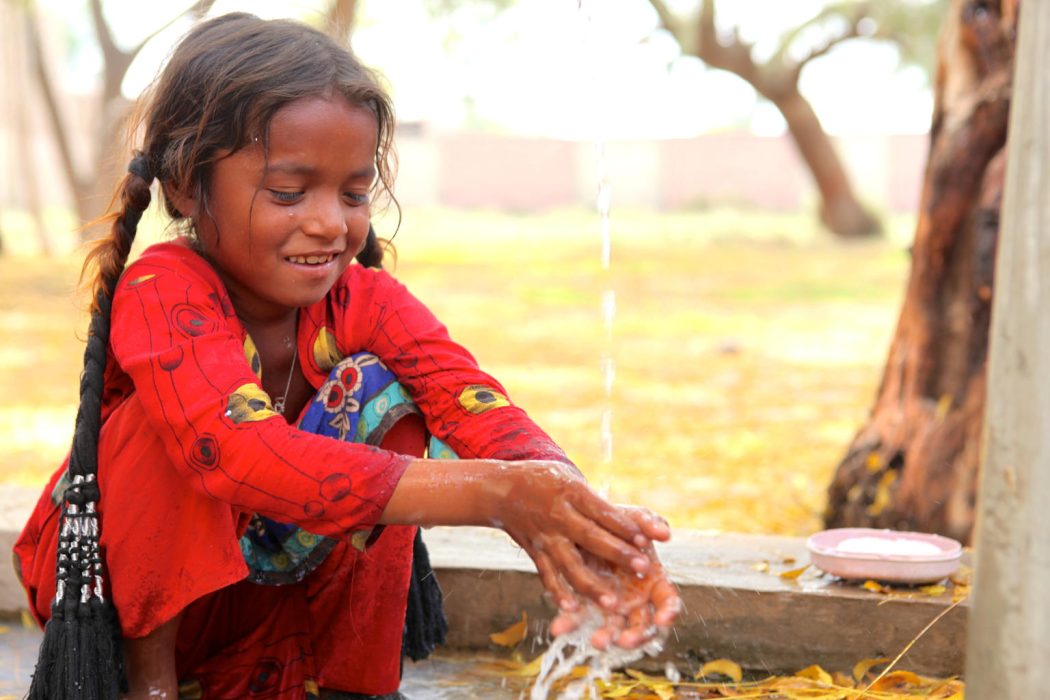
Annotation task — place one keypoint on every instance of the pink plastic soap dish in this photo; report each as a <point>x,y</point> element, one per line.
<point>884,555</point>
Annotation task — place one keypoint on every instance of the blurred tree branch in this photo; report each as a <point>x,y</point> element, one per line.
<point>341,16</point>
<point>89,184</point>
<point>777,79</point>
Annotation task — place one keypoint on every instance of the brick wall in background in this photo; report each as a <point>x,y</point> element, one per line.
<point>522,174</point>
<point>492,171</point>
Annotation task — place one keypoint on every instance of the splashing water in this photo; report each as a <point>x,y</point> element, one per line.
<point>574,649</point>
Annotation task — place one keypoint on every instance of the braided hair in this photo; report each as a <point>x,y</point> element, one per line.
<point>218,93</point>
<point>80,655</point>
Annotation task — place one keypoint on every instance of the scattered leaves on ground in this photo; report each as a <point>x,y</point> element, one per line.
<point>810,683</point>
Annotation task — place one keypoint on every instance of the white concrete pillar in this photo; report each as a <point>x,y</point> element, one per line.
<point>1008,654</point>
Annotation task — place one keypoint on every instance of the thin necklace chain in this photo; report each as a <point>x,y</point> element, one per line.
<point>278,404</point>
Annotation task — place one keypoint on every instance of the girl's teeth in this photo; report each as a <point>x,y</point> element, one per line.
<point>310,259</point>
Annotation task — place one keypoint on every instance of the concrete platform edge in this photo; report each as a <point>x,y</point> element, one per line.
<point>736,604</point>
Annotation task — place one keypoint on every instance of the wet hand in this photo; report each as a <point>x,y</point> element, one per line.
<point>549,510</point>
<point>653,526</point>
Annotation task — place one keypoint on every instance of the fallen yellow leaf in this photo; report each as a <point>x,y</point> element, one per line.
<point>513,634</point>
<point>896,679</point>
<point>841,680</point>
<point>875,587</point>
<point>864,665</point>
<point>794,573</point>
<point>617,691</point>
<point>815,673</point>
<point>934,590</point>
<point>665,691</point>
<point>725,667</point>
<point>530,669</point>
<point>640,676</point>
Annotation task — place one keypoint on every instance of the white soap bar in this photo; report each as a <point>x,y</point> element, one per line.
<point>880,545</point>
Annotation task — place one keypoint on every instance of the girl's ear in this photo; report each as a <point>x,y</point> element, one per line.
<point>184,202</point>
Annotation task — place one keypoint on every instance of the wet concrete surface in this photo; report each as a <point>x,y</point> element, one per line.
<point>444,677</point>
<point>18,649</point>
<point>459,676</point>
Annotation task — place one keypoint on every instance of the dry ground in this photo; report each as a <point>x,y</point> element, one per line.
<point>746,347</point>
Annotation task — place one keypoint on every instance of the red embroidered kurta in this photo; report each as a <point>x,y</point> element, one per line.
<point>190,448</point>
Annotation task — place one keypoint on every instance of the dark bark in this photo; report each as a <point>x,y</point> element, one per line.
<point>840,211</point>
<point>914,464</point>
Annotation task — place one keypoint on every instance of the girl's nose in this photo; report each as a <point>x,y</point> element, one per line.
<point>327,218</point>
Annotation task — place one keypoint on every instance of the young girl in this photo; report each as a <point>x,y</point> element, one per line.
<point>266,405</point>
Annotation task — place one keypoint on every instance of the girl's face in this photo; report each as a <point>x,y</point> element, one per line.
<point>282,226</point>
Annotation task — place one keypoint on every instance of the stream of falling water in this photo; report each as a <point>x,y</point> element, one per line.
<point>608,303</point>
<point>574,649</point>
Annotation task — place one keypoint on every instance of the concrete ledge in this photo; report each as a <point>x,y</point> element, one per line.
<point>732,610</point>
<point>756,618</point>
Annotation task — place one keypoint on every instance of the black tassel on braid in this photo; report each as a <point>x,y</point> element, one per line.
<point>81,655</point>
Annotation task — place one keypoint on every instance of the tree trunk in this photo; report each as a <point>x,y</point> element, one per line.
<point>914,465</point>
<point>92,184</point>
<point>1008,633</point>
<point>21,174</point>
<point>839,209</point>
<point>777,81</point>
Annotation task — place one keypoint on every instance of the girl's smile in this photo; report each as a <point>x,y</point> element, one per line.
<point>283,220</point>
<point>313,259</point>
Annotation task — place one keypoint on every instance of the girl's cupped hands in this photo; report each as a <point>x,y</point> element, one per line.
<point>586,548</point>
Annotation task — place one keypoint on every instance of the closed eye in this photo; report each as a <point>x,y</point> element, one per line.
<point>357,198</point>
<point>285,197</point>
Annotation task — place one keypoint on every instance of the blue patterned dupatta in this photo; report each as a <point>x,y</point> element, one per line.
<point>360,401</point>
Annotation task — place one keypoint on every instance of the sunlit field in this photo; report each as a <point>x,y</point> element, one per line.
<point>747,348</point>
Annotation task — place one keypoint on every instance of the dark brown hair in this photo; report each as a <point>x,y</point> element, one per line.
<point>219,90</point>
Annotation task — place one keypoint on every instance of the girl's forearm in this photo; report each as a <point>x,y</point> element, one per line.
<point>448,492</point>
